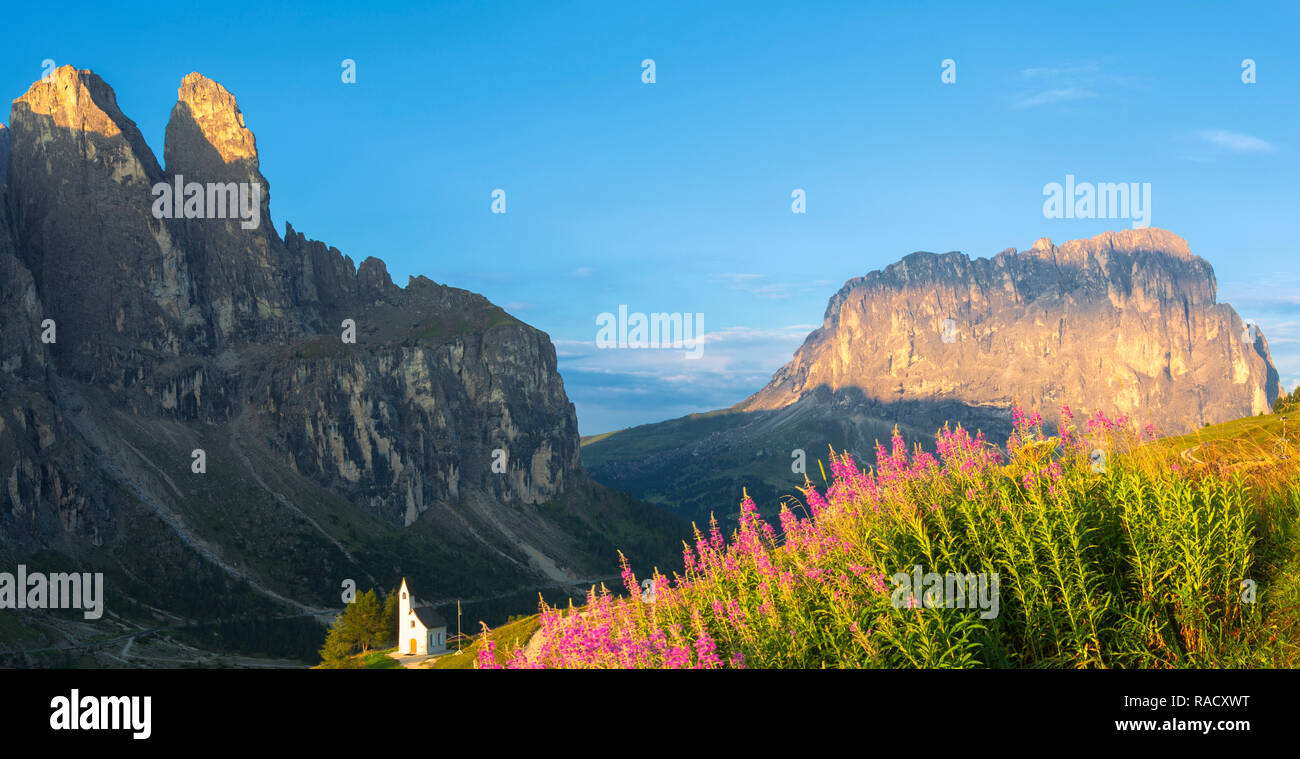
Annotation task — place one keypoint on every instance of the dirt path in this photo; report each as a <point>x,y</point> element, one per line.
<point>534,646</point>
<point>408,661</point>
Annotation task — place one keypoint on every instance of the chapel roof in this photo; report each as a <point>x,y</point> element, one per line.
<point>429,618</point>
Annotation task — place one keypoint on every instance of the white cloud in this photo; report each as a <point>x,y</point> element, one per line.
<point>1236,142</point>
<point>1051,85</point>
<point>1054,96</point>
<point>759,285</point>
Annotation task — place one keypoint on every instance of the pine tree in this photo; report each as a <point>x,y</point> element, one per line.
<point>363,621</point>
<point>1288,403</point>
<point>337,651</point>
<point>366,623</point>
<point>392,607</point>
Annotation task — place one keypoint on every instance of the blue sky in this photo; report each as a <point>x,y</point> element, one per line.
<point>675,196</point>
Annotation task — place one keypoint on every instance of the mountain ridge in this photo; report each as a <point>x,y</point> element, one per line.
<point>1136,282</point>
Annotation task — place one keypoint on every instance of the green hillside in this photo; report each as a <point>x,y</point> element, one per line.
<point>505,639</point>
<point>699,465</point>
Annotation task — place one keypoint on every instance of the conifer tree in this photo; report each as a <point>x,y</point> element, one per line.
<point>392,607</point>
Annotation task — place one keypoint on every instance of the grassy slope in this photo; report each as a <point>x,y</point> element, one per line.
<point>379,660</point>
<point>1253,446</point>
<point>1251,438</point>
<point>1257,447</point>
<point>507,638</point>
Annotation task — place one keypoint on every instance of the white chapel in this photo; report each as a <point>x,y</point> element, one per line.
<point>421,631</point>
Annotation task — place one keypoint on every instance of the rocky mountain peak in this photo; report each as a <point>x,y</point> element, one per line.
<point>75,99</point>
<point>1125,321</point>
<point>1129,241</point>
<point>217,116</point>
<point>72,103</point>
<point>207,140</point>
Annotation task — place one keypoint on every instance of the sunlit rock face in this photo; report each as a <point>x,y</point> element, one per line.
<point>1124,322</point>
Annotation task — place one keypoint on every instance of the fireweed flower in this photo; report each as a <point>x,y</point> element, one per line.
<point>755,584</point>
<point>487,656</point>
<point>678,657</point>
<point>734,614</point>
<point>705,648</point>
<point>788,520</point>
<point>816,504</point>
<point>629,579</point>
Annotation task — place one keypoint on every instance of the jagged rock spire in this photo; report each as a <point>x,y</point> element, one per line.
<point>206,123</point>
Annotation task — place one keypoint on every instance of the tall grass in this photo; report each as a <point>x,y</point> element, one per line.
<point>1107,552</point>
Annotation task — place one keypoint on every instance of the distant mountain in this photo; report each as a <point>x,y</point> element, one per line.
<point>1125,322</point>
<point>131,341</point>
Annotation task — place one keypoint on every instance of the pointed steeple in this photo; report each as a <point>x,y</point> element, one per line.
<point>404,605</point>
